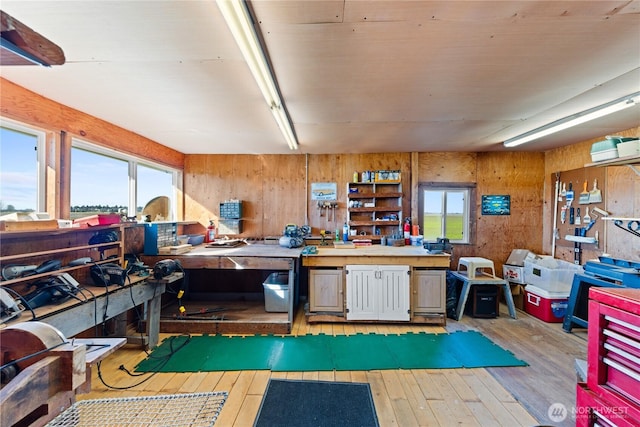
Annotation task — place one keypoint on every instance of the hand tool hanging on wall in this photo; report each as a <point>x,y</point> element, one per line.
<point>584,196</point>
<point>595,196</point>
<point>570,194</point>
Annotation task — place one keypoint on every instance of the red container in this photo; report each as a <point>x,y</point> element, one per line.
<point>547,306</point>
<point>100,219</point>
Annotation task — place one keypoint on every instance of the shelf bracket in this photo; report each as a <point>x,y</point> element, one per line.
<point>633,168</point>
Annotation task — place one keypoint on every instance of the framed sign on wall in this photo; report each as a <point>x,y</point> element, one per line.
<point>496,204</point>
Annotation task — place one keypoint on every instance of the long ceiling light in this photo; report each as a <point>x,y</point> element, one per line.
<point>238,19</point>
<point>575,119</point>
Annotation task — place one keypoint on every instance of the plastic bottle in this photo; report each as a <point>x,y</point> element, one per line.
<point>210,236</point>
<point>345,232</point>
<point>355,176</point>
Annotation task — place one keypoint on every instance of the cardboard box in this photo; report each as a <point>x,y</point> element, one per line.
<point>517,292</point>
<point>518,257</point>
<point>513,269</point>
<point>513,273</point>
<point>547,306</point>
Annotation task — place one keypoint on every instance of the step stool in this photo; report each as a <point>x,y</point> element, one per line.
<point>472,264</point>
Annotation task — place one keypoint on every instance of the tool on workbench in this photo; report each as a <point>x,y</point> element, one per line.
<point>13,271</point>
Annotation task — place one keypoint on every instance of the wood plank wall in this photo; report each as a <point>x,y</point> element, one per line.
<point>276,188</point>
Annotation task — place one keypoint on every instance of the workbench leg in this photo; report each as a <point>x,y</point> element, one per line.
<point>462,301</point>
<point>509,298</point>
<point>153,320</point>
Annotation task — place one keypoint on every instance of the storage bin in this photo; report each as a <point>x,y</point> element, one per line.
<point>158,235</point>
<point>604,150</point>
<point>629,148</point>
<point>94,220</point>
<point>231,210</point>
<point>549,274</point>
<point>276,293</point>
<point>546,306</point>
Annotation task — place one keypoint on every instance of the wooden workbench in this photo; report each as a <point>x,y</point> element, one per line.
<point>414,256</point>
<point>251,256</point>
<point>417,297</point>
<point>98,303</point>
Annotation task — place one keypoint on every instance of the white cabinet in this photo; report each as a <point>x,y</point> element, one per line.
<point>378,292</point>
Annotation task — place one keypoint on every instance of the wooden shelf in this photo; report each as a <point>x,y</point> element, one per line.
<point>374,195</point>
<point>620,161</point>
<point>387,200</point>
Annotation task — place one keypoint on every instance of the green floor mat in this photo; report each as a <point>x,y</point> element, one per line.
<point>358,352</point>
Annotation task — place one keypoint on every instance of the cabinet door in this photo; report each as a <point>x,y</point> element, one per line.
<point>429,291</point>
<point>362,292</point>
<point>393,296</point>
<point>325,290</point>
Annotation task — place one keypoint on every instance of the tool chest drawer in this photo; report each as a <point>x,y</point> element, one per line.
<point>614,347</point>
<point>593,410</point>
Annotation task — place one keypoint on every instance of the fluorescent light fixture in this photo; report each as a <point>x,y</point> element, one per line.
<point>238,19</point>
<point>575,119</point>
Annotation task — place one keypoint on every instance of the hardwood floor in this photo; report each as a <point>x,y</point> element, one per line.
<point>518,396</point>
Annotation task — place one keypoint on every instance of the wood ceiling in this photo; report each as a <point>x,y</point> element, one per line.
<point>356,76</point>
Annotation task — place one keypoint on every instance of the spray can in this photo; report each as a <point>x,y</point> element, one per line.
<point>210,236</point>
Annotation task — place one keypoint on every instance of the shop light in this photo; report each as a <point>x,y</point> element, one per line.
<point>240,23</point>
<point>575,119</point>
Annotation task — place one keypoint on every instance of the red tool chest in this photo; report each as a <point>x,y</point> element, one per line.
<point>611,395</point>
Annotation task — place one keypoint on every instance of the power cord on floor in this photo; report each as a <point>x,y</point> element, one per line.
<point>162,360</point>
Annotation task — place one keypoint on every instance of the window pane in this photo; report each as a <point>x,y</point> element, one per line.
<point>99,184</point>
<point>433,214</point>
<point>153,183</point>
<point>19,171</point>
<point>454,220</point>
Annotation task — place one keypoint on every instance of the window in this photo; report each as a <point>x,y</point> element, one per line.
<point>106,181</point>
<point>22,169</point>
<point>444,212</point>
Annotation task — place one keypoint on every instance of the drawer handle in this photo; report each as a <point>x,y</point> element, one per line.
<point>612,348</point>
<point>622,338</point>
<point>623,323</point>
<point>621,368</point>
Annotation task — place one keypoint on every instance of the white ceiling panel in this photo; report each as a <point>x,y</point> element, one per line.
<point>356,76</point>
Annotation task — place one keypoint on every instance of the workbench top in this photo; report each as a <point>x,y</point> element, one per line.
<point>378,250</point>
<point>415,256</point>
<point>249,250</point>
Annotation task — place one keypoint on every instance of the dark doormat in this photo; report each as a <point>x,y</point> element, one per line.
<point>299,403</point>
<point>359,352</point>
